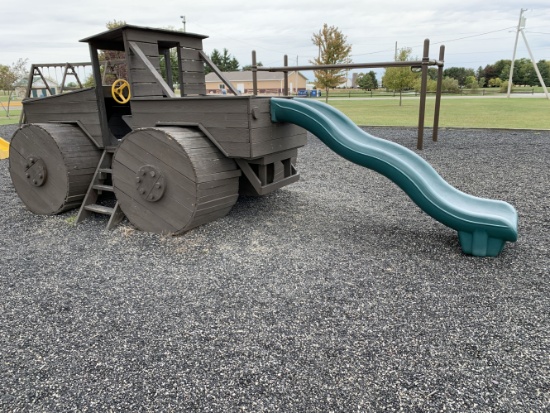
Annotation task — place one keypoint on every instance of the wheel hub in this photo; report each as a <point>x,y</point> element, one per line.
<point>150,183</point>
<point>35,171</point>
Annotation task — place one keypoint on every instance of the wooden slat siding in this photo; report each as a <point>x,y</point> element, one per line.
<point>240,125</point>
<point>75,106</point>
<point>277,145</point>
<point>144,84</point>
<point>267,137</point>
<point>143,36</point>
<point>193,72</point>
<point>223,117</point>
<point>192,65</point>
<point>69,172</point>
<point>180,155</point>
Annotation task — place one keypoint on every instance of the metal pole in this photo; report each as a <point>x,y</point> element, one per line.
<point>438,93</point>
<point>535,64</point>
<point>514,54</point>
<point>254,74</point>
<point>285,91</point>
<point>423,90</point>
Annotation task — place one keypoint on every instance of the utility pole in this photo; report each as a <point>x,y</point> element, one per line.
<point>183,21</point>
<point>521,26</point>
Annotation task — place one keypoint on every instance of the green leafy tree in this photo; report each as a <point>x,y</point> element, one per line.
<point>459,73</point>
<point>7,78</point>
<point>333,49</point>
<point>471,82</point>
<point>225,62</point>
<point>367,81</point>
<point>400,78</point>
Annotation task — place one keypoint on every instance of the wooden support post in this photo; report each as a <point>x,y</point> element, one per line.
<point>285,91</point>
<point>423,92</point>
<point>438,92</point>
<point>254,74</point>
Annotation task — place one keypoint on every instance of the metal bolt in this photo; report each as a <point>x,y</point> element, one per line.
<point>138,179</point>
<point>142,191</point>
<point>34,181</point>
<point>40,176</point>
<point>152,197</point>
<point>28,175</point>
<point>142,173</point>
<point>152,173</point>
<point>158,186</point>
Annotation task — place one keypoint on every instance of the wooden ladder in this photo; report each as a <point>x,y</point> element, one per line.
<point>96,188</point>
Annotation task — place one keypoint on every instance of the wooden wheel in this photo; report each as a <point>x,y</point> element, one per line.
<point>172,179</point>
<point>51,166</point>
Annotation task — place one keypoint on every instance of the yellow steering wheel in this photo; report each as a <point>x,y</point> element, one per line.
<point>120,90</point>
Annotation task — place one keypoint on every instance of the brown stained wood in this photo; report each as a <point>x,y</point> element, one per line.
<point>277,145</point>
<point>132,157</point>
<point>193,78</point>
<point>167,209</point>
<point>146,90</point>
<point>235,135</point>
<point>151,50</point>
<point>185,201</point>
<point>74,106</point>
<point>189,54</point>
<point>204,188</point>
<point>194,89</point>
<point>61,187</point>
<point>184,40</point>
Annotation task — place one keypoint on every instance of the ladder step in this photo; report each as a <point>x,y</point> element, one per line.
<point>101,187</point>
<point>106,170</point>
<point>100,209</point>
<point>110,149</point>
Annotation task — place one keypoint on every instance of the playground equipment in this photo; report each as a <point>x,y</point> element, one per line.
<point>4,149</point>
<point>170,163</point>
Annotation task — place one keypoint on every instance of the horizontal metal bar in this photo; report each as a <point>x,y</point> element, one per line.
<point>350,66</point>
<point>61,64</point>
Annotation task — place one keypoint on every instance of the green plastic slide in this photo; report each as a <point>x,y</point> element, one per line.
<point>483,225</point>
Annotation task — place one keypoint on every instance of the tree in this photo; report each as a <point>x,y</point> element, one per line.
<point>367,81</point>
<point>459,73</point>
<point>225,62</point>
<point>7,78</point>
<point>400,78</point>
<point>333,49</point>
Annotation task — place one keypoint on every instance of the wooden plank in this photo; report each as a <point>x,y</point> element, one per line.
<point>277,145</point>
<point>171,208</point>
<point>259,135</point>
<point>149,49</point>
<point>146,36</point>
<point>189,54</point>
<point>142,215</point>
<point>193,78</point>
<point>152,65</point>
<point>192,89</point>
<point>146,90</point>
<point>192,66</point>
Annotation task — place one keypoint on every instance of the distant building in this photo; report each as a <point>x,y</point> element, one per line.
<point>271,83</point>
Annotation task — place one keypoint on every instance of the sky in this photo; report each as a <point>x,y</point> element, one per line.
<point>474,33</point>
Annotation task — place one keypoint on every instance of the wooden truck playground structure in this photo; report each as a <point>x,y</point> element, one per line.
<point>171,163</point>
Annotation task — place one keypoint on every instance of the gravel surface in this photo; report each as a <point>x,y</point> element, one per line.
<point>335,294</point>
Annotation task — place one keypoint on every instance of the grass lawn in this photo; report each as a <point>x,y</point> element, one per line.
<point>522,113</point>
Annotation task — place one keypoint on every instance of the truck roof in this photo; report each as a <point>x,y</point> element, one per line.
<point>113,39</point>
